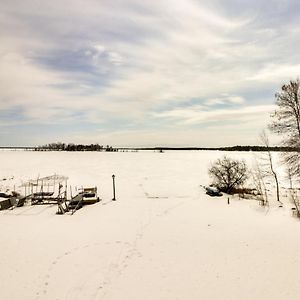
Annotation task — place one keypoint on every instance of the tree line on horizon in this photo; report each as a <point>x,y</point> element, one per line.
<point>231,148</point>
<point>59,146</point>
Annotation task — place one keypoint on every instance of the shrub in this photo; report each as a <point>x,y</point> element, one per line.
<point>228,174</point>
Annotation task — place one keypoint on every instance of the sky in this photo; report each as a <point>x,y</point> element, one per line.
<point>144,73</point>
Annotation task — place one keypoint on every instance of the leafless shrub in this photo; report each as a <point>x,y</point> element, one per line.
<point>228,174</point>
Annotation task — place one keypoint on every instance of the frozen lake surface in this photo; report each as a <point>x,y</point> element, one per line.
<point>163,238</point>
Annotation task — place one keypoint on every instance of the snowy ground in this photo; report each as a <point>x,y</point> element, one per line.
<point>163,238</point>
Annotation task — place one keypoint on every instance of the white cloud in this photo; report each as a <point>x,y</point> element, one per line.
<point>226,99</point>
<point>115,58</point>
<point>197,114</point>
<point>277,73</point>
<point>100,48</point>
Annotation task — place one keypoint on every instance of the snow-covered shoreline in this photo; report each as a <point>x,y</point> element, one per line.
<point>163,238</point>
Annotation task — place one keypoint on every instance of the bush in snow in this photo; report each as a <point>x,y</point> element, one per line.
<point>228,174</point>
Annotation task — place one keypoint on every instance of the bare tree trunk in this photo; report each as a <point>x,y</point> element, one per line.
<point>292,195</point>
<point>260,184</point>
<point>275,176</point>
<point>265,140</point>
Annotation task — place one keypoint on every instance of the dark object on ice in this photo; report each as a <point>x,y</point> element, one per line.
<point>84,197</point>
<point>114,188</point>
<point>43,194</point>
<point>75,204</point>
<point>42,197</point>
<point>21,202</point>
<point>295,212</point>
<point>213,191</point>
<point>8,200</point>
<point>4,195</point>
<point>5,204</point>
<point>89,195</point>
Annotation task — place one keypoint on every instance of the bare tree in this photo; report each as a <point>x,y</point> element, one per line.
<point>286,122</point>
<point>259,183</point>
<point>293,193</point>
<point>268,166</point>
<point>228,174</point>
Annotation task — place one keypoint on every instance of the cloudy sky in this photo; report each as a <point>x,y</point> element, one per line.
<point>136,73</point>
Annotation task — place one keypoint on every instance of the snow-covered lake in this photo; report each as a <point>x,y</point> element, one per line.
<point>163,238</point>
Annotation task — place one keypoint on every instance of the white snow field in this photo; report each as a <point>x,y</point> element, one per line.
<point>163,239</point>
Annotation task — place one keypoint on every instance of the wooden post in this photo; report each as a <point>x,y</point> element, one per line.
<point>114,190</point>
<point>42,190</point>
<point>54,185</point>
<point>228,202</point>
<point>66,188</point>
